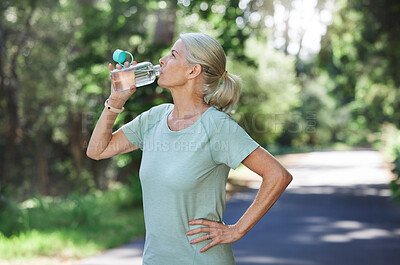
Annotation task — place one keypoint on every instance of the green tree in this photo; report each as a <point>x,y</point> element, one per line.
<point>53,80</point>
<point>360,53</point>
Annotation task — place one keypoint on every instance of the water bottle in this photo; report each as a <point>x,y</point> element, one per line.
<point>140,74</point>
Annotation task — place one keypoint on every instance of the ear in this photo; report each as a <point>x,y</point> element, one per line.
<point>195,72</point>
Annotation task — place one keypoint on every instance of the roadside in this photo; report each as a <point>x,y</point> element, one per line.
<point>337,210</point>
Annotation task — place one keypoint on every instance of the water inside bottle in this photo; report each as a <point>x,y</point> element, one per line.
<point>144,77</point>
<point>122,80</point>
<point>141,74</point>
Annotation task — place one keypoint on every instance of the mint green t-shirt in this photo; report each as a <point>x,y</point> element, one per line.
<point>183,176</point>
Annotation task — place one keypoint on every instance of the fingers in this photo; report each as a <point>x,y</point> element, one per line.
<point>199,239</point>
<point>119,67</point>
<point>199,230</point>
<point>218,233</point>
<point>214,241</point>
<point>210,245</point>
<point>132,89</point>
<point>202,222</point>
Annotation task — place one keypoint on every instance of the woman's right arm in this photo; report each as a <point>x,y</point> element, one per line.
<point>103,142</point>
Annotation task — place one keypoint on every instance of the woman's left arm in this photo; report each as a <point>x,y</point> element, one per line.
<point>275,179</point>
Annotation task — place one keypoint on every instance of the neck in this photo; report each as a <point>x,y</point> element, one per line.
<point>187,103</point>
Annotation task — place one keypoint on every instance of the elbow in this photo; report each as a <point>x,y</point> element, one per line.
<point>287,177</point>
<point>282,178</point>
<point>92,155</point>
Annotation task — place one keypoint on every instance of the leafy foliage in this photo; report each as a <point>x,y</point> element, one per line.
<point>360,54</point>
<point>395,183</point>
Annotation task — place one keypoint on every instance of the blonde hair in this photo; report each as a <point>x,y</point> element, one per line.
<point>209,54</point>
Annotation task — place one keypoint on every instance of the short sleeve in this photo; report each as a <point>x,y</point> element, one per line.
<point>135,129</point>
<point>229,143</point>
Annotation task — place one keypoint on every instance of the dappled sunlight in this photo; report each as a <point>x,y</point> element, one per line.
<point>372,233</point>
<point>347,224</point>
<point>272,260</point>
<point>318,230</point>
<point>338,232</point>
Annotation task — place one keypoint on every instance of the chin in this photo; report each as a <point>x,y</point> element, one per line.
<point>160,83</point>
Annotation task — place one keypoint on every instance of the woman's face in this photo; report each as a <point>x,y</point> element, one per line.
<point>174,67</point>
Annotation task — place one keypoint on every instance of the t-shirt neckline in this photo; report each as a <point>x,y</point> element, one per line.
<point>187,128</point>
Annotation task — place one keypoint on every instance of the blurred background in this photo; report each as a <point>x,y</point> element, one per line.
<point>317,74</point>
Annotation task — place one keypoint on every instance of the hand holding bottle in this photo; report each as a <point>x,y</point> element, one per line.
<point>119,95</point>
<point>127,76</point>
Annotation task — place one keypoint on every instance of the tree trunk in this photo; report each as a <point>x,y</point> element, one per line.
<point>165,27</point>
<point>12,129</point>
<point>10,88</point>
<point>286,33</point>
<point>42,170</point>
<point>77,141</point>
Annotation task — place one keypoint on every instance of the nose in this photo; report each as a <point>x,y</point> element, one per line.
<point>161,61</point>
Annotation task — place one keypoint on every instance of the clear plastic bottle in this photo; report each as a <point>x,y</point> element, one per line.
<point>140,74</point>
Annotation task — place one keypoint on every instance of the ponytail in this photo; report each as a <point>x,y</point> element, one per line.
<point>227,95</point>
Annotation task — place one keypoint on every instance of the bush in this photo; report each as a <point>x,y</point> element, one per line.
<point>395,183</point>
<point>81,225</point>
<point>72,211</point>
<point>11,216</point>
<point>390,145</point>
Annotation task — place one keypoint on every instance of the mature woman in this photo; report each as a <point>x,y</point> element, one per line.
<point>188,149</point>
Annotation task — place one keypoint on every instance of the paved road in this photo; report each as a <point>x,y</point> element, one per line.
<point>335,212</point>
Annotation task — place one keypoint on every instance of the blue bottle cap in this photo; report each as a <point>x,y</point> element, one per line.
<point>119,56</point>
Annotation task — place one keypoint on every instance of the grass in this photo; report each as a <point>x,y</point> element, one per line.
<point>74,227</point>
